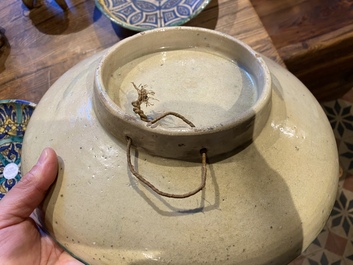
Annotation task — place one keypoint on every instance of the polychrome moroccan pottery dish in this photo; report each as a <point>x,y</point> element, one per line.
<point>182,145</point>
<point>14,117</point>
<point>149,14</point>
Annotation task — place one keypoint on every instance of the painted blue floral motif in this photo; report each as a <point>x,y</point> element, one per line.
<point>14,117</point>
<point>183,10</point>
<point>148,14</point>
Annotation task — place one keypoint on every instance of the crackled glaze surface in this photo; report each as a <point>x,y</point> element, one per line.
<point>263,204</point>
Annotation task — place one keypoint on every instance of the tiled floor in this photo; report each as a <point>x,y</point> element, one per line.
<point>334,245</point>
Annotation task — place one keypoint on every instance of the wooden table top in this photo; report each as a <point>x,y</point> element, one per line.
<point>42,43</point>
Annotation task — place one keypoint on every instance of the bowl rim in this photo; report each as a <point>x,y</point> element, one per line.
<point>18,101</point>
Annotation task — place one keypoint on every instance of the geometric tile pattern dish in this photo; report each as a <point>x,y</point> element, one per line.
<point>14,117</point>
<point>334,245</point>
<point>148,14</point>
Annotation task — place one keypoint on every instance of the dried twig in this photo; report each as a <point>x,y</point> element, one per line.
<point>143,97</point>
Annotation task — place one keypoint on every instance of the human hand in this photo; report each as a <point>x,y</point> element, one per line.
<point>20,239</point>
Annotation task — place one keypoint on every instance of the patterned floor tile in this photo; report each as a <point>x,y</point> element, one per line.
<point>340,221</point>
<point>318,244</point>
<point>334,245</point>
<point>348,254</point>
<point>348,182</point>
<point>340,115</point>
<point>346,154</point>
<point>323,258</point>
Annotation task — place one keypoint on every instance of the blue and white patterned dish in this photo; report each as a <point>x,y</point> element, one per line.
<point>142,15</point>
<point>14,117</point>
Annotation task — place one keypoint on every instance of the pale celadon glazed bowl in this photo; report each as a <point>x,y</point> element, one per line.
<point>272,166</point>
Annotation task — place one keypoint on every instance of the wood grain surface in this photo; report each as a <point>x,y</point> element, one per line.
<point>315,40</point>
<point>40,44</point>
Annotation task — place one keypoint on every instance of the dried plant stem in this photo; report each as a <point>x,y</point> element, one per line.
<point>143,97</point>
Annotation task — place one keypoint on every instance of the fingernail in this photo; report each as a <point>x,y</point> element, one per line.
<point>43,156</point>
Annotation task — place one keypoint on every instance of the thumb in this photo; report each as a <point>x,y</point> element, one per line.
<point>27,194</point>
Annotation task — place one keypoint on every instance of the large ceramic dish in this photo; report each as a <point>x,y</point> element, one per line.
<point>148,14</point>
<point>14,117</point>
<point>263,203</point>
